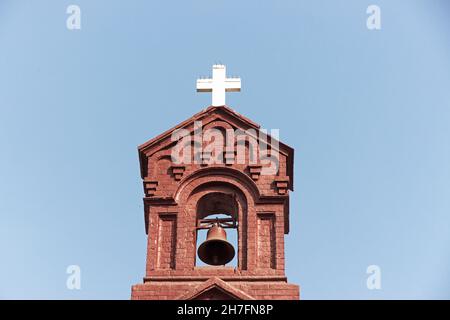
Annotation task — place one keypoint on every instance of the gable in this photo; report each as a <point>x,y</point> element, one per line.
<point>215,293</point>
<point>215,289</point>
<point>223,117</point>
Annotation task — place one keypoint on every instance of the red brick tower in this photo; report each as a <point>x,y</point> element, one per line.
<point>238,182</point>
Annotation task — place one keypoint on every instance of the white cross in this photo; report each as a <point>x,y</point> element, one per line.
<point>218,85</point>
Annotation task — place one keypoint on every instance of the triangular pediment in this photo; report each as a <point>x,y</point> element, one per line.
<point>215,289</point>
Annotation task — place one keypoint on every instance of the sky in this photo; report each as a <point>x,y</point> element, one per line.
<point>367,112</point>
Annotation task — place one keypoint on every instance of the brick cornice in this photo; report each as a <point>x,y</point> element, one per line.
<point>224,278</point>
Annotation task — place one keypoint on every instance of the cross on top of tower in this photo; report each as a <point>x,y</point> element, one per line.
<point>218,85</point>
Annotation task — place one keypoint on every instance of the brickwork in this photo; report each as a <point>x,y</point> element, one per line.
<point>258,290</point>
<point>178,195</point>
<point>166,244</point>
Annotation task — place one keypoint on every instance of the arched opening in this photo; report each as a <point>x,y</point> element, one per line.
<point>221,208</point>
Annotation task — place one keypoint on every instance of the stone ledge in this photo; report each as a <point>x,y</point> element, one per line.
<point>230,278</point>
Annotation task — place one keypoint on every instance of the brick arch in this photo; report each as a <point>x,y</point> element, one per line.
<point>219,124</point>
<point>216,181</point>
<point>235,177</point>
<point>162,165</point>
<point>242,208</point>
<point>216,202</point>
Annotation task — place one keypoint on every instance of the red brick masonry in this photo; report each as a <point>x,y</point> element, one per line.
<point>178,195</point>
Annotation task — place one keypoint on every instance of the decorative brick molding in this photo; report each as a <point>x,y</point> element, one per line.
<point>177,172</point>
<point>167,239</point>
<point>281,185</point>
<point>266,240</point>
<point>150,187</point>
<point>255,171</point>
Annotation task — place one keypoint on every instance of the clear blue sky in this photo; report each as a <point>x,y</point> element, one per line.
<point>368,113</point>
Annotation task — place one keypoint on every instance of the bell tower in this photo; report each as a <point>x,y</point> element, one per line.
<point>217,172</point>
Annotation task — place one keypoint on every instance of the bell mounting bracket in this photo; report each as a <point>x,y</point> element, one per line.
<point>222,222</point>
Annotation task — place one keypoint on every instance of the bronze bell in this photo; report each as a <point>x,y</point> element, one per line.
<point>216,250</point>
